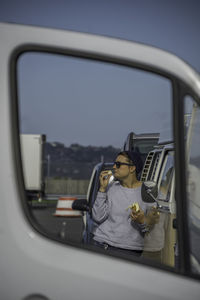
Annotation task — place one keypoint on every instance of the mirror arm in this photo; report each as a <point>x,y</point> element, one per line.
<point>149,192</point>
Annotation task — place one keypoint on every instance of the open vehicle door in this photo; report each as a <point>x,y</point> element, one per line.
<point>35,262</point>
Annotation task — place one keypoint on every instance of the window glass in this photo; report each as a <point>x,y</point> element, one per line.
<point>74,115</point>
<point>192,131</point>
<point>166,180</point>
<point>144,146</point>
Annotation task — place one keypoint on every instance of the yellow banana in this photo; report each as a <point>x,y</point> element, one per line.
<point>135,206</point>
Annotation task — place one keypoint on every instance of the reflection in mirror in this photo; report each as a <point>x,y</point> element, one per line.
<point>193,178</point>
<point>85,110</point>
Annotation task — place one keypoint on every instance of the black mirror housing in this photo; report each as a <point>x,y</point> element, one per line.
<point>80,204</point>
<point>149,191</point>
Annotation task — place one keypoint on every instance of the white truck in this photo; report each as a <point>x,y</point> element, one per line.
<point>34,264</point>
<point>142,143</point>
<point>32,153</point>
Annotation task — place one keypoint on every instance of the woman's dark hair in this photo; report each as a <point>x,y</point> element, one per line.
<point>135,159</point>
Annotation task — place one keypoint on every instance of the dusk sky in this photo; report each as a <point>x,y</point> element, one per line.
<point>171,25</point>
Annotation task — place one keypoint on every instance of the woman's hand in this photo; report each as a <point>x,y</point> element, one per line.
<point>138,216</point>
<point>153,216</point>
<point>104,180</point>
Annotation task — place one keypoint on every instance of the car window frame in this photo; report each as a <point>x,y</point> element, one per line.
<point>179,89</point>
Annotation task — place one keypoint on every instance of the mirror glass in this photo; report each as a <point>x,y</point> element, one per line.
<point>75,115</point>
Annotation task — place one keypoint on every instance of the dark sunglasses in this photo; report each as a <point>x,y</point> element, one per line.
<point>118,164</point>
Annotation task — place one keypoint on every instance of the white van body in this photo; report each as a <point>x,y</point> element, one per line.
<point>35,267</point>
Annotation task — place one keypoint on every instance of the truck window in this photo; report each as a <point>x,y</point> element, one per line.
<point>85,109</point>
<point>192,131</point>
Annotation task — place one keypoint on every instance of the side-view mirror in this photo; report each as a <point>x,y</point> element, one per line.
<point>80,204</point>
<point>149,191</point>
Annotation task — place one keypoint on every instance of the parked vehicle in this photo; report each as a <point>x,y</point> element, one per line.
<point>36,264</point>
<point>91,196</point>
<point>159,168</point>
<point>32,150</point>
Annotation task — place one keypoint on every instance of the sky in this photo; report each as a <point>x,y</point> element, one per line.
<point>171,25</point>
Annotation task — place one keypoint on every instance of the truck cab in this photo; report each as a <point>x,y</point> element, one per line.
<point>142,143</point>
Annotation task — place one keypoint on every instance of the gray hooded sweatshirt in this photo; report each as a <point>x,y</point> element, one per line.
<point>111,213</point>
